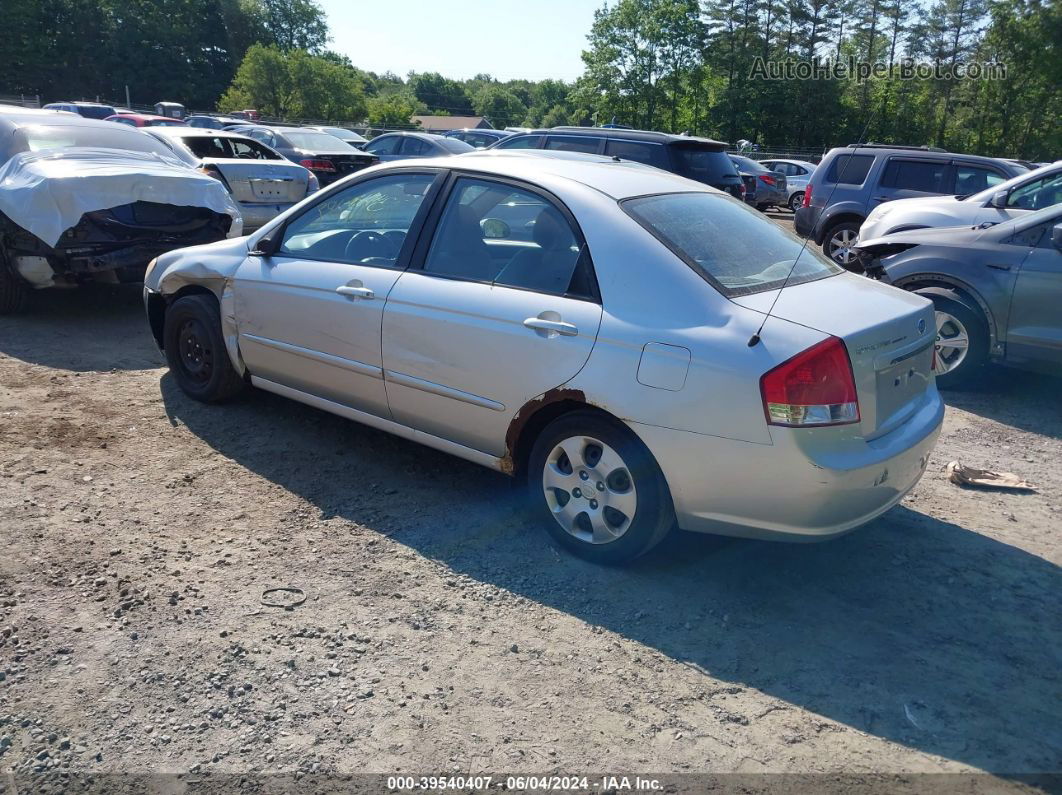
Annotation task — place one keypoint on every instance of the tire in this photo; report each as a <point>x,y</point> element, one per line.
<point>958,320</point>
<point>834,247</point>
<point>195,350</point>
<point>632,484</point>
<point>13,290</point>
<point>796,200</point>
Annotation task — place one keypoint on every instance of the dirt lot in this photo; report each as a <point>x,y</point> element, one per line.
<point>440,634</point>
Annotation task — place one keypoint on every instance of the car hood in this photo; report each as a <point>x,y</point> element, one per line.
<point>47,192</point>
<point>942,235</point>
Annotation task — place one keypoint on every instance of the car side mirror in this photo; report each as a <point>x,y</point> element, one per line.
<point>266,247</point>
<point>1056,236</point>
<point>494,228</point>
<point>999,200</point>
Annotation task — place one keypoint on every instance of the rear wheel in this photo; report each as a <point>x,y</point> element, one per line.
<point>598,489</point>
<point>796,200</point>
<point>195,350</point>
<point>13,289</point>
<point>838,243</point>
<point>962,342</point>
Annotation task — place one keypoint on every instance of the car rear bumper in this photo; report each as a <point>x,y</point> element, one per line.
<point>258,215</point>
<point>792,490</point>
<point>805,219</point>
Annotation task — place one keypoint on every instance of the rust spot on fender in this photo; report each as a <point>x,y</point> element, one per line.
<point>528,410</point>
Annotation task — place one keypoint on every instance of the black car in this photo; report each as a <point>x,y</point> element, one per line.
<point>325,155</point>
<point>701,159</point>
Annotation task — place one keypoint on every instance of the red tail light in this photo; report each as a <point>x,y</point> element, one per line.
<point>767,179</point>
<point>815,387</point>
<point>807,196</point>
<point>318,165</point>
<point>743,189</point>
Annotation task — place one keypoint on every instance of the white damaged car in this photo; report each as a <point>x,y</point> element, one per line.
<point>84,200</point>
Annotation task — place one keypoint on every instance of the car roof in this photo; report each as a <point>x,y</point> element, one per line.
<point>30,117</point>
<point>412,134</point>
<point>195,132</point>
<point>629,135</point>
<point>619,179</point>
<point>921,151</point>
<point>82,104</point>
<point>788,160</point>
<point>144,116</point>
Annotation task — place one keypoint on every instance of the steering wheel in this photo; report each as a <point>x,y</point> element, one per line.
<point>365,245</point>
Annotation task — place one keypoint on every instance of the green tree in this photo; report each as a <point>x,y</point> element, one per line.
<point>294,24</point>
<point>295,84</point>
<point>440,93</point>
<point>392,110</point>
<point>500,106</point>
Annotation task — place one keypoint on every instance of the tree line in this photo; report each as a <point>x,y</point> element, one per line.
<point>674,65</point>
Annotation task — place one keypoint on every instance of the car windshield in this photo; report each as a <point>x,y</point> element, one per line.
<point>733,246</point>
<point>992,190</point>
<point>95,111</point>
<point>315,141</point>
<point>55,136</point>
<point>166,123</point>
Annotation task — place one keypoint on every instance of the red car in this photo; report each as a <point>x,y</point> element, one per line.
<point>145,120</point>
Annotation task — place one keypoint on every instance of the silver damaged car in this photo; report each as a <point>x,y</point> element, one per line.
<point>589,326</point>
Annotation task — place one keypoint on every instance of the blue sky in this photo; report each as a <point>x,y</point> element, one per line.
<point>460,38</point>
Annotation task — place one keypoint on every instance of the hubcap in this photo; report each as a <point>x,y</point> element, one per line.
<point>841,243</point>
<point>952,344</point>
<point>197,359</point>
<point>589,490</point>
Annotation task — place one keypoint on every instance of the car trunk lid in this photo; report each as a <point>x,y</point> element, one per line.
<point>889,334</point>
<point>265,182</point>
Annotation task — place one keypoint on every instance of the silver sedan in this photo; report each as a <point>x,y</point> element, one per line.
<point>599,329</point>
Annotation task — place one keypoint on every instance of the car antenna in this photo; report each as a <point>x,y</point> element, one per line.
<point>754,340</point>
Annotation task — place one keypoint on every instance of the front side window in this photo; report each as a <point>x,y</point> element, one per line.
<point>919,175</point>
<point>1038,194</point>
<point>711,234</point>
<point>974,179</point>
<point>365,224</point>
<point>500,234</point>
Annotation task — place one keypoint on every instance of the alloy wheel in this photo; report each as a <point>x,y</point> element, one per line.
<point>953,342</point>
<point>840,246</point>
<point>589,489</point>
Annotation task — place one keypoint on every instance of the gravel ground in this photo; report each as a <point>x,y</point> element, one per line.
<point>441,635</point>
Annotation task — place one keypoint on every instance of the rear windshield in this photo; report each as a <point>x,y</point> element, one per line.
<point>315,141</point>
<point>229,148</point>
<point>704,164</point>
<point>731,245</point>
<point>454,145</point>
<point>165,123</point>
<point>849,169</point>
<point>117,136</point>
<point>95,111</point>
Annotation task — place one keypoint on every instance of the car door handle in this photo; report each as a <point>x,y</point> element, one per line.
<point>355,292</point>
<point>882,198</point>
<point>559,326</point>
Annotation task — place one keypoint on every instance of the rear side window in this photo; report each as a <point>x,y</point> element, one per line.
<point>711,234</point>
<point>650,154</point>
<point>415,146</point>
<point>703,164</point>
<point>920,175</point>
<point>849,169</point>
<point>573,143</point>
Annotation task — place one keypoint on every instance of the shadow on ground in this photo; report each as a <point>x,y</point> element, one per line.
<point>91,328</point>
<point>912,629</point>
<point>1025,400</point>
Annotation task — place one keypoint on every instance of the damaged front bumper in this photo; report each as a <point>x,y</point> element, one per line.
<point>110,245</point>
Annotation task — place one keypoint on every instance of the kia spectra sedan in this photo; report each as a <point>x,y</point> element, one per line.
<point>599,329</point>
